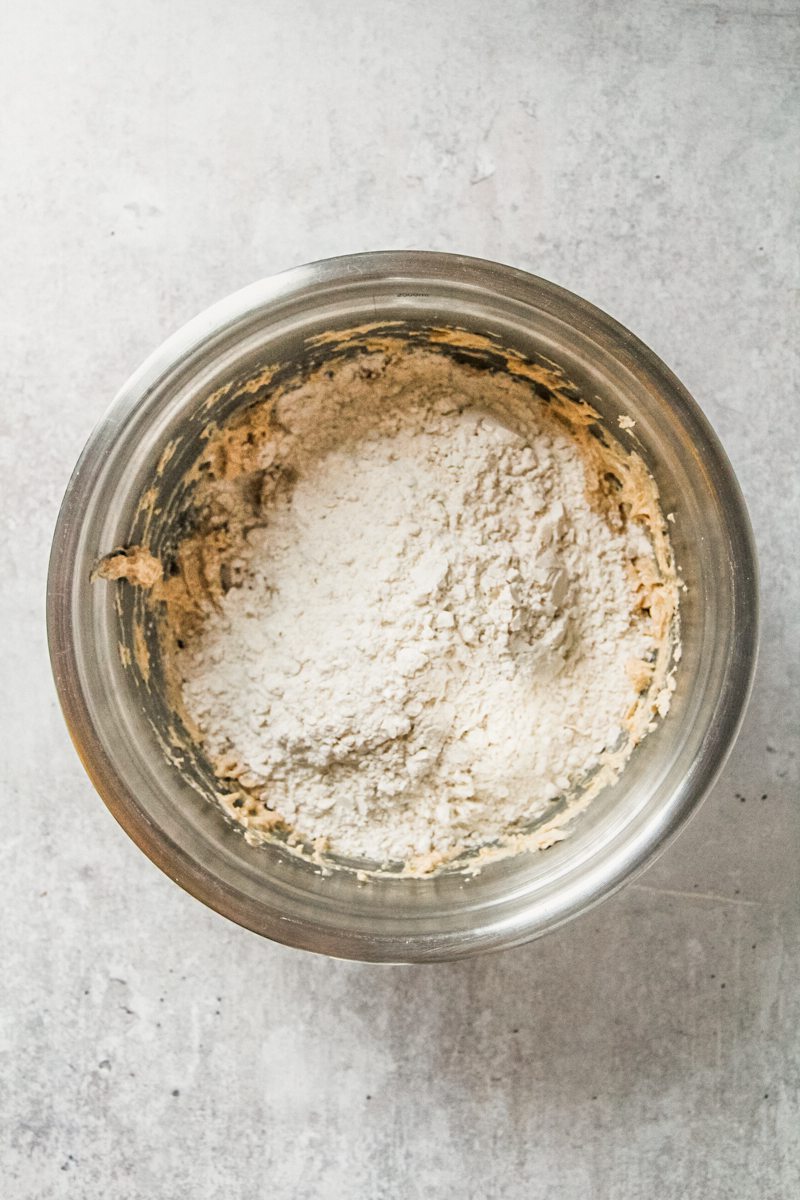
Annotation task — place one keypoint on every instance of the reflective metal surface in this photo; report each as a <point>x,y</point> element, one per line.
<point>113,718</point>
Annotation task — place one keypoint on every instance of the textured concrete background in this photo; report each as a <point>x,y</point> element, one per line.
<point>156,156</point>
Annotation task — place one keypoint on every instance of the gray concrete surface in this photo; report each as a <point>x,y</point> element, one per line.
<point>156,156</point>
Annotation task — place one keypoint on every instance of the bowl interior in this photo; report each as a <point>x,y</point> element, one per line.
<point>157,785</point>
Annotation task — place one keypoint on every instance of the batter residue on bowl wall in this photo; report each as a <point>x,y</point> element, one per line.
<point>422,605</point>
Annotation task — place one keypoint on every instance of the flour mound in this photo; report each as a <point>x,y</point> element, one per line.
<point>429,638</point>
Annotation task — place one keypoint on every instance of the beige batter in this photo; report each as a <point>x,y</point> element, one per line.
<point>253,463</point>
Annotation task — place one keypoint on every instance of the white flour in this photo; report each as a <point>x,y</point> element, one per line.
<point>431,639</point>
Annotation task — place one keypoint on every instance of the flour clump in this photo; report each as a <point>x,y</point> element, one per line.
<point>430,631</point>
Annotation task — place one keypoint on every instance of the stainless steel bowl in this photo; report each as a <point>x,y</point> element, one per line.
<point>114,719</point>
